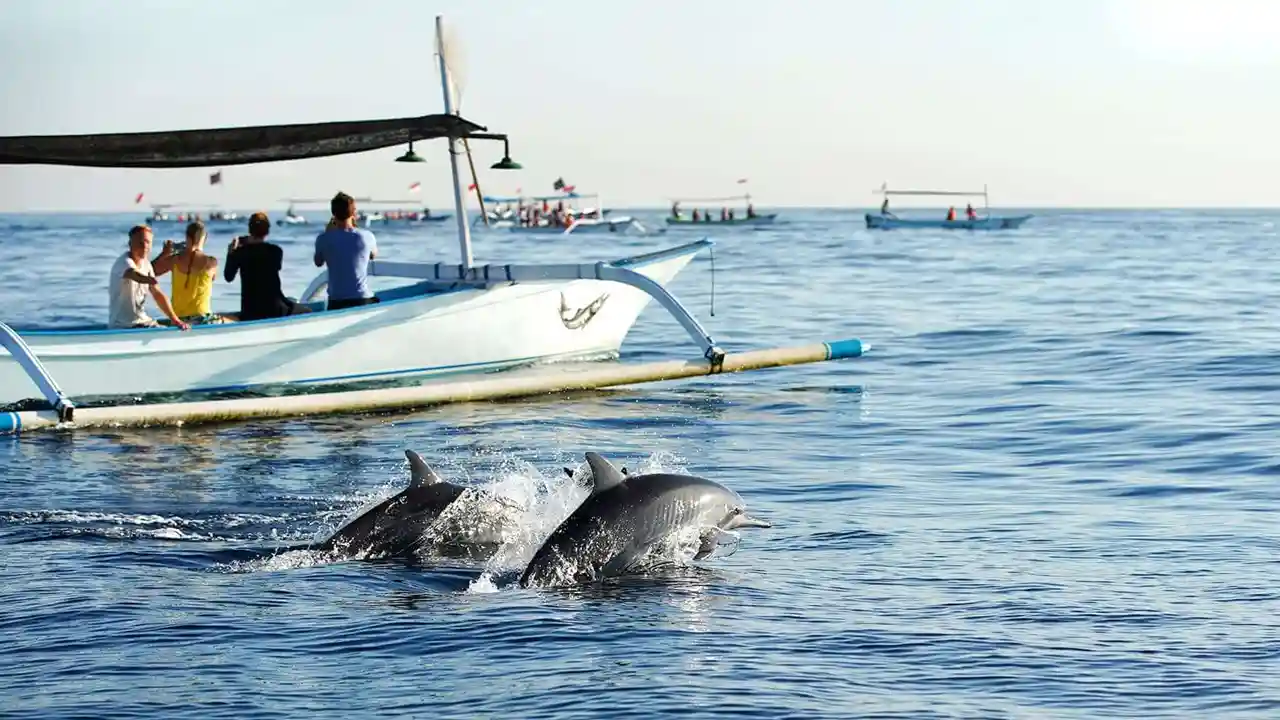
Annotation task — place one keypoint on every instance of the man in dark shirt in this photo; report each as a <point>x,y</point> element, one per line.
<point>259,263</point>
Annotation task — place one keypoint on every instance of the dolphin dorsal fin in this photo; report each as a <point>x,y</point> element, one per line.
<point>603,474</point>
<point>421,474</point>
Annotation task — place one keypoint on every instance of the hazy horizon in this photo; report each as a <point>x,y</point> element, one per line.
<point>1099,104</point>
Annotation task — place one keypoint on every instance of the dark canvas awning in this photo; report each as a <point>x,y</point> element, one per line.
<point>228,146</point>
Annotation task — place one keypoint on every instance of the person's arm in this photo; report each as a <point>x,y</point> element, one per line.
<point>233,264</point>
<point>373,247</point>
<point>164,262</point>
<point>162,301</point>
<point>131,273</point>
<point>319,256</point>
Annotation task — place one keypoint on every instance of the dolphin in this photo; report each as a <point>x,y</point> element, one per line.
<point>626,516</point>
<point>431,514</point>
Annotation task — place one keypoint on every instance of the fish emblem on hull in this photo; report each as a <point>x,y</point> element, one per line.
<point>577,319</point>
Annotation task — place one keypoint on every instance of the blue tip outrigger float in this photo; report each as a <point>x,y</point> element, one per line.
<point>450,328</point>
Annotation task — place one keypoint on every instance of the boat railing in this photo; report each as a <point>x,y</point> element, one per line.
<point>483,276</point>
<point>27,360</point>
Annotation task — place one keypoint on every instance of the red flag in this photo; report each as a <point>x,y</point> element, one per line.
<point>472,186</point>
<point>414,187</point>
<point>137,199</point>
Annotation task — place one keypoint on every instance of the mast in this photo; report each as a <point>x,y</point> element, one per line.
<point>446,86</point>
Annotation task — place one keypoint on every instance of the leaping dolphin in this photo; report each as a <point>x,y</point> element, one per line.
<point>626,516</point>
<point>429,515</point>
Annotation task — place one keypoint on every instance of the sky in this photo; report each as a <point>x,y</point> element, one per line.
<point>1076,103</point>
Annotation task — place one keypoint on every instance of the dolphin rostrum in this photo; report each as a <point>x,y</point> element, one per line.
<point>626,516</point>
<point>429,515</point>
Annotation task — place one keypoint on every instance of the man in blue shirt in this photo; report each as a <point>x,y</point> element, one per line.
<point>347,250</point>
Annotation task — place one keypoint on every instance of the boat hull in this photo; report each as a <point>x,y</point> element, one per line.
<point>766,219</point>
<point>882,222</point>
<point>408,334</point>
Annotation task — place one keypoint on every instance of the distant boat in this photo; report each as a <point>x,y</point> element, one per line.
<point>160,216</point>
<point>887,220</point>
<point>524,214</point>
<point>881,222</point>
<point>766,219</point>
<point>703,216</point>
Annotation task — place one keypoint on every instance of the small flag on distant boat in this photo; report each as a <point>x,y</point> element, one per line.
<point>216,178</point>
<point>472,186</point>
<point>559,185</point>
<point>137,199</point>
<point>414,187</point>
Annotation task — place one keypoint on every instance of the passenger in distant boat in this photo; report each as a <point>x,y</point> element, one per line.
<point>730,216</point>
<point>724,214</point>
<point>706,216</point>
<point>951,214</point>
<point>346,250</point>
<point>970,213</point>
<point>751,210</point>
<point>192,280</point>
<point>675,211</point>
<point>132,277</point>
<point>695,215</point>
<point>258,262</point>
<point>884,208</point>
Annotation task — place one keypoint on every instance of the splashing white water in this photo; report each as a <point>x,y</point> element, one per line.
<point>546,502</point>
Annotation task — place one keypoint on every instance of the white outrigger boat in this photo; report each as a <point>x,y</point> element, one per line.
<point>454,324</point>
<point>886,220</point>
<point>588,219</point>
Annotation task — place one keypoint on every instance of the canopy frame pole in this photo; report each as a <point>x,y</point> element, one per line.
<point>460,207</point>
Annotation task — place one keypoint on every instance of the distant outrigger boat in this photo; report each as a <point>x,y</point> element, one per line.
<point>986,221</point>
<point>749,217</point>
<point>159,216</point>
<point>461,320</point>
<point>588,219</point>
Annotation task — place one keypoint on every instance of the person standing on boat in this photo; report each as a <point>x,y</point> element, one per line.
<point>346,250</point>
<point>970,213</point>
<point>751,210</point>
<point>258,262</point>
<point>884,208</point>
<point>193,275</point>
<point>951,214</point>
<point>132,277</point>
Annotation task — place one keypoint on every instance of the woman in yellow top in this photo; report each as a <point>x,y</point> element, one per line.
<point>193,274</point>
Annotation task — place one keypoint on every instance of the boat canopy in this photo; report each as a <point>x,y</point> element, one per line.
<point>727,198</point>
<point>535,198</point>
<point>228,146</point>
<point>978,193</point>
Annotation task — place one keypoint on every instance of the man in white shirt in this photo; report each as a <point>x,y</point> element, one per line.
<point>132,277</point>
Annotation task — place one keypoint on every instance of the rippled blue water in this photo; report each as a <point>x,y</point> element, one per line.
<point>1049,490</point>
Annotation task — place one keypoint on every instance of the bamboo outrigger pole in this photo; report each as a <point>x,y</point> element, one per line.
<point>498,386</point>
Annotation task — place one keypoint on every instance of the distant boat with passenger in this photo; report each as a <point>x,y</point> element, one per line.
<point>569,212</point>
<point>161,215</point>
<point>887,220</point>
<point>727,215</point>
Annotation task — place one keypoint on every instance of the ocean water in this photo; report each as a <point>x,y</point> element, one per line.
<point>1049,490</point>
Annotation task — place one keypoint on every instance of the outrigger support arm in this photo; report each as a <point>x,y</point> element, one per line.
<point>19,350</point>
